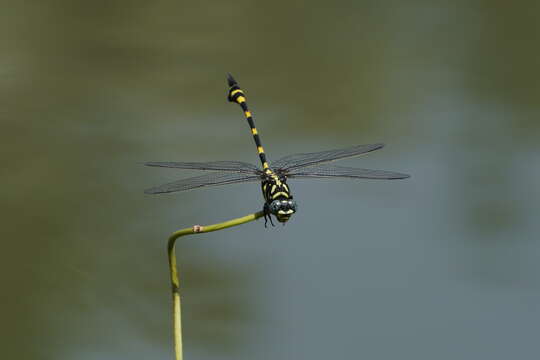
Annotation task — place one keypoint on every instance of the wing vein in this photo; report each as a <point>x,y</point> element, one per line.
<point>230,166</point>
<point>329,171</point>
<point>297,161</point>
<point>211,179</point>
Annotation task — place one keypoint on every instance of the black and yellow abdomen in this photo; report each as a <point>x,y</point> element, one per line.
<point>237,95</point>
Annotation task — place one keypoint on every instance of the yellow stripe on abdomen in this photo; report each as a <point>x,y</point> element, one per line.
<point>236,92</point>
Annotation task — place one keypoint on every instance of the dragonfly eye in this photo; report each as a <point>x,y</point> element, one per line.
<point>275,206</point>
<point>293,205</point>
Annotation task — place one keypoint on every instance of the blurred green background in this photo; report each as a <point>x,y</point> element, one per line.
<point>440,266</point>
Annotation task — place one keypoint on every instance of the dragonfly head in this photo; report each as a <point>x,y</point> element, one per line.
<point>283,209</point>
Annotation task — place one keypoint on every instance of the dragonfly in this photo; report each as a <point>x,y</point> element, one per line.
<point>278,199</point>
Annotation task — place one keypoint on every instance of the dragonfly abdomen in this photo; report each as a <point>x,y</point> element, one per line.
<point>237,95</point>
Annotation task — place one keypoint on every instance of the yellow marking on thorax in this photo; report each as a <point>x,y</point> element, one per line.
<point>240,99</point>
<point>285,186</point>
<point>254,131</point>
<point>281,193</point>
<point>260,149</point>
<point>247,113</point>
<point>274,188</point>
<point>274,177</point>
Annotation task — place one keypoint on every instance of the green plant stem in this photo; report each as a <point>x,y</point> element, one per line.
<point>173,269</point>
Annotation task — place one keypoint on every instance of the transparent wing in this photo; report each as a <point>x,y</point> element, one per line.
<point>296,161</point>
<point>329,171</point>
<point>233,166</point>
<point>212,179</point>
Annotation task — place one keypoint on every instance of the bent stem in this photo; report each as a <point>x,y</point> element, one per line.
<point>173,270</point>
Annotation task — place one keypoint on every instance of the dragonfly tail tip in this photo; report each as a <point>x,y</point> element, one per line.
<point>230,80</point>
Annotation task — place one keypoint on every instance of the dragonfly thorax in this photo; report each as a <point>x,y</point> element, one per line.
<point>278,199</point>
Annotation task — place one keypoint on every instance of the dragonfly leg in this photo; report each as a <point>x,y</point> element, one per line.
<point>267,215</point>
<point>266,218</point>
